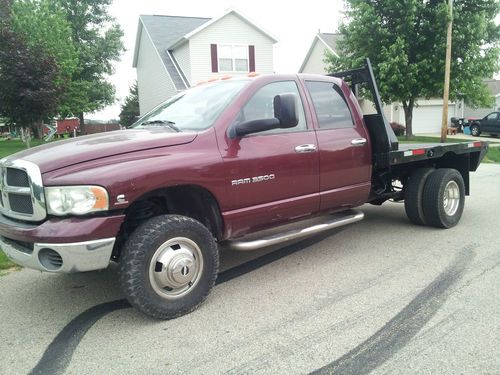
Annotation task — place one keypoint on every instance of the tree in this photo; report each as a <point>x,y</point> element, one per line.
<point>98,41</point>
<point>405,41</point>
<point>130,108</point>
<point>43,24</point>
<point>31,79</point>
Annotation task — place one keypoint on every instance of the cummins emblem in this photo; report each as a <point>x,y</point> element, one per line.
<point>251,180</point>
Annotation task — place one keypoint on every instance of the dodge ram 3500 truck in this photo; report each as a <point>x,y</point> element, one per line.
<point>227,163</point>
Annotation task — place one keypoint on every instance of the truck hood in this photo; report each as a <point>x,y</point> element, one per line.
<point>61,154</point>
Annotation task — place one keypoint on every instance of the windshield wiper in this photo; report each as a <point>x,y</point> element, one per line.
<point>169,124</point>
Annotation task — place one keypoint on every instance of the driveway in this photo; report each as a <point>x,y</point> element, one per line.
<point>379,296</point>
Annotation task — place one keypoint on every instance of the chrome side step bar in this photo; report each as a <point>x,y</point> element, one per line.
<point>333,221</point>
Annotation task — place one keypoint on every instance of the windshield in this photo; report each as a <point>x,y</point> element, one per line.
<point>194,109</point>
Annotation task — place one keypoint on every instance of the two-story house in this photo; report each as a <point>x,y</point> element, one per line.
<point>173,53</point>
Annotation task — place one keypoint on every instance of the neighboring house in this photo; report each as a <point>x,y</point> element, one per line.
<point>427,114</point>
<point>494,88</point>
<point>314,60</point>
<point>174,53</point>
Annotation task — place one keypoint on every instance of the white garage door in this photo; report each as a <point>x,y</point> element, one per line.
<point>427,118</point>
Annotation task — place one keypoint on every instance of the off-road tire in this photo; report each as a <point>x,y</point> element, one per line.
<point>475,131</point>
<point>138,252</point>
<point>413,190</point>
<point>433,198</point>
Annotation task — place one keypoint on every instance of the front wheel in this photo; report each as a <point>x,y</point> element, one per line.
<point>443,198</point>
<point>475,131</point>
<point>168,266</point>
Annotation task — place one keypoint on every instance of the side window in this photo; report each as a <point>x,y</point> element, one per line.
<point>492,116</point>
<point>261,106</point>
<point>331,108</point>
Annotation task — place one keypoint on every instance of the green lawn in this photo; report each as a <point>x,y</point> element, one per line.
<point>5,263</point>
<point>493,155</point>
<point>422,139</point>
<point>15,145</point>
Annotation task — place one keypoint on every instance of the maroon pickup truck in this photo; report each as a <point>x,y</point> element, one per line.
<point>234,162</point>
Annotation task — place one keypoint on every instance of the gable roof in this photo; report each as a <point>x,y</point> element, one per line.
<point>168,32</point>
<point>328,40</point>
<point>214,20</point>
<point>164,31</point>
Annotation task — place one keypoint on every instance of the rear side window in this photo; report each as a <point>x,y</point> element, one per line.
<point>331,108</point>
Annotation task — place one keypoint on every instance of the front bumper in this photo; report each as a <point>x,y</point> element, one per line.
<point>61,244</point>
<point>61,258</point>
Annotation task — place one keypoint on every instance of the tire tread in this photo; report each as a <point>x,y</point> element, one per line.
<point>413,195</point>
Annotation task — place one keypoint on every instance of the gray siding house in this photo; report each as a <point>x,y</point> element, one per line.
<point>173,53</point>
<point>314,61</point>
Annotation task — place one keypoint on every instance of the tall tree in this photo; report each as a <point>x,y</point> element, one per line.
<point>406,40</point>
<point>43,24</point>
<point>31,78</point>
<point>98,40</point>
<point>130,108</point>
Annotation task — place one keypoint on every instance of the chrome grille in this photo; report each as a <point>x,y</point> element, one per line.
<point>17,177</point>
<point>21,203</point>
<point>21,191</point>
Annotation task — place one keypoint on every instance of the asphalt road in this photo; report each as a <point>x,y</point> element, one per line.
<point>379,296</point>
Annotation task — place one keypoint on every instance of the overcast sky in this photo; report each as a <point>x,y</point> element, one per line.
<point>293,24</point>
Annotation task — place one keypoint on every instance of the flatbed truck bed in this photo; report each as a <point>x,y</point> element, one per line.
<point>415,152</point>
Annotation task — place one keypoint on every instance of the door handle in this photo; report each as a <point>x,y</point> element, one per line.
<point>358,142</point>
<point>305,148</point>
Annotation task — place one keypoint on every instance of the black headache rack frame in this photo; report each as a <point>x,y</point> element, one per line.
<point>382,136</point>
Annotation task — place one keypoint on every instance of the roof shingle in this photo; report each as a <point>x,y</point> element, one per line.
<point>165,31</point>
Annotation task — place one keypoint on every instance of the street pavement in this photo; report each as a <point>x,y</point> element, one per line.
<point>380,296</point>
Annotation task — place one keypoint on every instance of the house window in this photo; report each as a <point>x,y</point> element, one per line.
<point>233,58</point>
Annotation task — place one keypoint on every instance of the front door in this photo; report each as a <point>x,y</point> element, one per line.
<point>272,176</point>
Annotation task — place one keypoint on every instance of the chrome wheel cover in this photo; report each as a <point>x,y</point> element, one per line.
<point>451,198</point>
<point>175,268</point>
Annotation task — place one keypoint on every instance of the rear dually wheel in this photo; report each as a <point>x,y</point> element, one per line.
<point>443,198</point>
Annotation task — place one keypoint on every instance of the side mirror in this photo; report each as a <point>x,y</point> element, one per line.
<point>285,116</point>
<point>285,110</point>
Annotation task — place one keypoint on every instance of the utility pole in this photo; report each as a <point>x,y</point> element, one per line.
<point>446,93</point>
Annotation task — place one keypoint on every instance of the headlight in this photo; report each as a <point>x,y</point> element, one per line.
<point>76,200</point>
